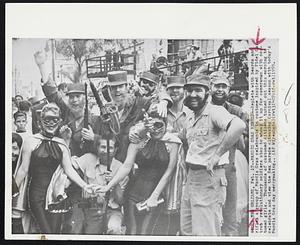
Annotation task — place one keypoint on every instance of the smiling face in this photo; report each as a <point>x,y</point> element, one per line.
<point>119,95</point>
<point>159,128</point>
<point>176,93</point>
<point>196,97</point>
<point>148,86</point>
<point>50,119</point>
<point>76,102</point>
<point>219,93</point>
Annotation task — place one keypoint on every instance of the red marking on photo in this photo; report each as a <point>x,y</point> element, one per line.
<point>254,210</point>
<point>257,42</point>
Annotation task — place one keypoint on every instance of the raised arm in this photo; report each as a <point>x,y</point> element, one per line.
<point>152,200</point>
<point>48,85</point>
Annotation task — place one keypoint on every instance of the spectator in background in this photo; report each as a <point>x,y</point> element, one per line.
<point>197,53</point>
<point>189,53</point>
<point>18,98</point>
<point>226,49</point>
<point>17,227</point>
<point>20,121</point>
<point>25,106</point>
<point>14,105</point>
<point>235,98</point>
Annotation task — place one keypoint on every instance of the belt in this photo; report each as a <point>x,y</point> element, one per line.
<point>201,167</point>
<point>90,203</point>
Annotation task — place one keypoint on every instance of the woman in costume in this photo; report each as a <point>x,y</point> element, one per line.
<point>42,154</point>
<point>156,157</point>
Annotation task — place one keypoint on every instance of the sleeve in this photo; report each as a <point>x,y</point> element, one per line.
<point>51,92</point>
<point>221,117</point>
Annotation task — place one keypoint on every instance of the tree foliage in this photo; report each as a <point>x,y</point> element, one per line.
<point>81,49</point>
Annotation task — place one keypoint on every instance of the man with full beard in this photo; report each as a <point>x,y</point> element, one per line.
<point>73,120</point>
<point>210,133</point>
<point>219,93</point>
<point>131,108</point>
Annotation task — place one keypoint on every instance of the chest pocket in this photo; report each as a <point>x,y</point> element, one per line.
<point>202,126</point>
<point>202,131</point>
<point>95,176</point>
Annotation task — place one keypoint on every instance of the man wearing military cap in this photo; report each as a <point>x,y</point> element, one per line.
<point>220,87</point>
<point>149,82</point>
<point>210,133</point>
<point>73,120</point>
<point>177,114</point>
<point>130,107</point>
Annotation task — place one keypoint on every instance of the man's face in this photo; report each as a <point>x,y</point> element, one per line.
<point>119,94</point>
<point>18,99</point>
<point>102,150</point>
<point>219,93</point>
<point>15,151</point>
<point>148,86</point>
<point>196,97</point>
<point>21,123</point>
<point>76,102</point>
<point>176,93</point>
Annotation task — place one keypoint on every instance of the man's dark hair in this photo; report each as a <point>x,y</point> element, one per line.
<point>107,136</point>
<point>18,95</point>
<point>19,114</point>
<point>24,105</point>
<point>17,138</point>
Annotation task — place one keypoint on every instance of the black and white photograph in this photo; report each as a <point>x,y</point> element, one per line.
<point>126,136</point>
<point>132,137</point>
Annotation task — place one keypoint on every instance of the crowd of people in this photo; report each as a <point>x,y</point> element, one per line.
<point>169,161</point>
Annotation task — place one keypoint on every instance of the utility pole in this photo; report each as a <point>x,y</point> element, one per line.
<point>134,58</point>
<point>53,61</point>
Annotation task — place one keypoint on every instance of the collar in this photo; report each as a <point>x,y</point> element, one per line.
<point>205,112</point>
<point>184,111</point>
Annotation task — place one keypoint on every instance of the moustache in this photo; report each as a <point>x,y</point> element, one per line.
<point>188,100</point>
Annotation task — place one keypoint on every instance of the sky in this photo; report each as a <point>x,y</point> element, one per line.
<point>23,59</point>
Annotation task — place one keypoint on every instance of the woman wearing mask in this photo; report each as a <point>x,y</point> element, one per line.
<point>40,157</point>
<point>156,157</point>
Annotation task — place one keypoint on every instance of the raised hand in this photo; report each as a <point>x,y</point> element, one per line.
<point>162,108</point>
<point>40,57</point>
<point>66,133</point>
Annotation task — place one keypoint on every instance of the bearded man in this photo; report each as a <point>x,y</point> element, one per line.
<point>73,120</point>
<point>210,133</point>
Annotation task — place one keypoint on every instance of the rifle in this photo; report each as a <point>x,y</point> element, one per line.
<point>86,116</point>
